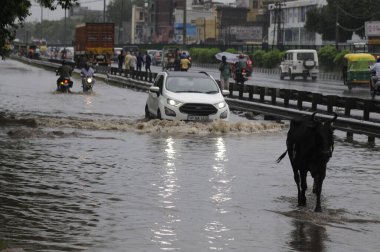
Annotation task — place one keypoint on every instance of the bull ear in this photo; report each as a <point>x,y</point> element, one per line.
<point>335,116</point>
<point>312,116</point>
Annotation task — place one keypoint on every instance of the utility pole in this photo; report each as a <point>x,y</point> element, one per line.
<point>184,32</point>
<point>41,23</point>
<point>104,11</point>
<point>337,28</point>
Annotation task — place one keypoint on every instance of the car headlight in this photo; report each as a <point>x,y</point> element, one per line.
<point>174,103</point>
<point>220,105</point>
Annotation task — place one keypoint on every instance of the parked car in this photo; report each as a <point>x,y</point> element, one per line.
<point>186,96</point>
<point>300,62</point>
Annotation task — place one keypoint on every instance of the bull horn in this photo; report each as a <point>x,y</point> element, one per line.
<point>335,116</point>
<point>312,116</point>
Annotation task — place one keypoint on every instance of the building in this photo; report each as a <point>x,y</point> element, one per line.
<point>287,21</point>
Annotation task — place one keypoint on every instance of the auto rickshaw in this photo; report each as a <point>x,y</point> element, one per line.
<point>356,69</point>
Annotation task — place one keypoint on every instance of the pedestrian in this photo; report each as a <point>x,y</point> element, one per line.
<point>120,60</point>
<point>126,63</point>
<point>132,61</point>
<point>148,61</point>
<point>184,63</point>
<point>139,61</point>
<point>225,73</point>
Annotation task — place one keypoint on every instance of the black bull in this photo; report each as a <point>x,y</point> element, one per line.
<point>310,144</point>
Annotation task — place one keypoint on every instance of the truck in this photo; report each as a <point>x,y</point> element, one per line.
<point>94,43</point>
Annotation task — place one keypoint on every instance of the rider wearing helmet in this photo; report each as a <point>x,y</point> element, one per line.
<point>64,71</point>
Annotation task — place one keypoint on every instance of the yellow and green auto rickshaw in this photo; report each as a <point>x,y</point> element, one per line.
<point>356,69</point>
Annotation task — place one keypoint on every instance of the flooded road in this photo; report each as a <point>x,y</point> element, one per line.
<point>88,173</point>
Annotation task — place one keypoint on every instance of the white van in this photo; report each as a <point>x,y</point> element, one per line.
<point>300,62</point>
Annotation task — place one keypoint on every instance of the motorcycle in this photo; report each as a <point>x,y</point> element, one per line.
<point>64,84</point>
<point>87,83</point>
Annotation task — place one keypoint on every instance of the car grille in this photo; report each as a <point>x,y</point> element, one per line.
<point>198,109</point>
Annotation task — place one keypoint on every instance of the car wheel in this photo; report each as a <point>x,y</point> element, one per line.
<point>314,78</point>
<point>147,113</point>
<point>304,77</point>
<point>159,115</point>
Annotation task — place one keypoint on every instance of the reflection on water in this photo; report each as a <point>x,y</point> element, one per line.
<point>165,233</point>
<point>307,237</point>
<point>217,232</point>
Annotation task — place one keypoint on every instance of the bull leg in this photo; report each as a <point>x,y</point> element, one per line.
<point>297,180</point>
<point>318,181</point>
<point>302,202</point>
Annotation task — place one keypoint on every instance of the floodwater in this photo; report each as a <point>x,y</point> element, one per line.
<point>88,173</point>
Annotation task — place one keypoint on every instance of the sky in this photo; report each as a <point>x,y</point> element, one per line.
<point>59,13</point>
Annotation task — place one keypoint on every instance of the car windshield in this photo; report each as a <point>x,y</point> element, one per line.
<point>191,85</point>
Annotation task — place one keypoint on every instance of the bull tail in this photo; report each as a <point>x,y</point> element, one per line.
<point>281,157</point>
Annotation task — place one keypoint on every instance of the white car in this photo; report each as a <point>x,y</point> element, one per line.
<point>187,96</point>
<point>301,62</point>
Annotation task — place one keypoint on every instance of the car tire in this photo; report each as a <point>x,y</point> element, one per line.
<point>314,78</point>
<point>147,113</point>
<point>159,115</point>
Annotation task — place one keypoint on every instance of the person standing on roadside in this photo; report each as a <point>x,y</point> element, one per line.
<point>225,74</point>
<point>127,63</point>
<point>184,63</point>
<point>140,61</point>
<point>148,61</point>
<point>120,61</point>
<point>133,61</point>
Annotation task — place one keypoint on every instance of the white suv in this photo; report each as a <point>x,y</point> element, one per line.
<point>300,63</point>
<point>186,96</point>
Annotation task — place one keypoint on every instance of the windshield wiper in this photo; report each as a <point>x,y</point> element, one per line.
<point>188,91</point>
<point>212,92</point>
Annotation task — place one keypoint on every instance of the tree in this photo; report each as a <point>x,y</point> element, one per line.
<point>349,15</point>
<point>13,14</point>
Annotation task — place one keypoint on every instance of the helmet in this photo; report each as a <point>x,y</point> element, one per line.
<point>87,65</point>
<point>224,58</point>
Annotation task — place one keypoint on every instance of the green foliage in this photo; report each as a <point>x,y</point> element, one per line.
<point>350,14</point>
<point>231,50</point>
<point>339,59</point>
<point>204,55</point>
<point>270,59</point>
<point>326,56</point>
<point>3,245</point>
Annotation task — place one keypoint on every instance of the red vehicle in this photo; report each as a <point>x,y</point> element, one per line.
<point>94,43</point>
<point>246,70</point>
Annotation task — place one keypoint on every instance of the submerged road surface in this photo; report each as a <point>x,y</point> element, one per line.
<point>88,173</point>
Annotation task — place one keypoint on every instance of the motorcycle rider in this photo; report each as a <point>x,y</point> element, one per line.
<point>64,71</point>
<point>375,79</point>
<point>239,66</point>
<point>87,71</point>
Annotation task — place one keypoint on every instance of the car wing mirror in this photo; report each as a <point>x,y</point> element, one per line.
<point>154,89</point>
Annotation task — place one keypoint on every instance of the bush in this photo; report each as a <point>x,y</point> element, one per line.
<point>204,55</point>
<point>326,56</point>
<point>339,59</point>
<point>257,58</point>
